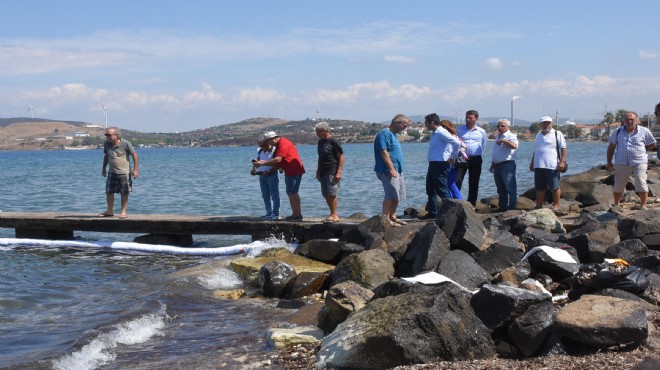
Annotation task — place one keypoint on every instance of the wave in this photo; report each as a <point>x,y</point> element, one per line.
<point>101,349</point>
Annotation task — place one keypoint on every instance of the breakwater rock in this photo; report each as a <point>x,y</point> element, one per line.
<point>473,285</point>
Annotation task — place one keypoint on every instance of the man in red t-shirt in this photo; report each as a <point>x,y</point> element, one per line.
<point>287,158</point>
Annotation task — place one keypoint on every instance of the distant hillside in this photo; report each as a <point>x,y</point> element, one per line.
<point>4,122</point>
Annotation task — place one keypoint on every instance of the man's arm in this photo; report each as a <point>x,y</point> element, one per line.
<point>340,167</point>
<point>610,154</point>
<point>105,164</point>
<point>136,164</point>
<point>275,161</point>
<point>388,162</point>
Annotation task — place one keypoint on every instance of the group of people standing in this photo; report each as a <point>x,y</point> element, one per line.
<point>452,154</point>
<point>277,153</point>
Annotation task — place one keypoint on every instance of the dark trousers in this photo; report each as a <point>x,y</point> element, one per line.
<point>474,167</point>
<point>436,185</point>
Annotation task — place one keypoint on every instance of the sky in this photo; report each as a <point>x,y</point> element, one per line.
<point>168,66</point>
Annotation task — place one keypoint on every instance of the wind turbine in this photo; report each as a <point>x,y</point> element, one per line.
<point>105,114</point>
<point>31,110</point>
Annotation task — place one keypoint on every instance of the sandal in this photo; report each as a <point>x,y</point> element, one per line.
<point>105,214</point>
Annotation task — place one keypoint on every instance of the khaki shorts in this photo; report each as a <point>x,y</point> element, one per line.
<point>622,175</point>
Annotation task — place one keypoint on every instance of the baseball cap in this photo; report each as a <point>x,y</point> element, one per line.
<point>270,135</point>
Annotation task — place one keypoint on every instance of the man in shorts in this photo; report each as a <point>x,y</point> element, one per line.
<point>547,162</point>
<point>329,168</point>
<point>630,143</point>
<point>117,153</point>
<point>287,158</point>
<point>389,166</point>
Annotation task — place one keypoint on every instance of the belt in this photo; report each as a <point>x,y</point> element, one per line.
<point>501,163</point>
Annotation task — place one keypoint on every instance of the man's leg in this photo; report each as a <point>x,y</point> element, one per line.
<point>556,195</point>
<point>432,198</point>
<point>332,204</point>
<point>617,199</point>
<point>474,163</point>
<point>643,198</point>
<point>509,180</point>
<point>502,197</point>
<point>124,203</point>
<point>294,200</point>
<point>540,197</point>
<point>110,200</point>
<point>389,208</point>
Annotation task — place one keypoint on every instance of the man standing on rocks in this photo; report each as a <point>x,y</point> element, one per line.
<point>389,166</point>
<point>443,148</point>
<point>329,168</point>
<point>474,138</point>
<point>548,160</point>
<point>287,158</point>
<point>630,142</point>
<point>503,166</point>
<point>116,158</point>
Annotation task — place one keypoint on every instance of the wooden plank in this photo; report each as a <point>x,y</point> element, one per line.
<point>168,224</point>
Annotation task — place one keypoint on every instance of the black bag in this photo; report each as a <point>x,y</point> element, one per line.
<point>461,161</point>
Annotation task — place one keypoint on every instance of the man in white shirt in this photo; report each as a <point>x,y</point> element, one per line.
<point>630,143</point>
<point>548,160</point>
<point>443,148</point>
<point>474,137</point>
<point>503,166</point>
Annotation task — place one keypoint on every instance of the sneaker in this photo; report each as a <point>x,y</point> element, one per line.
<point>268,215</point>
<point>276,217</point>
<point>428,216</point>
<point>294,218</point>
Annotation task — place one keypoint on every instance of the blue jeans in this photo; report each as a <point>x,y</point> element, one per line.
<point>270,190</point>
<point>451,182</point>
<point>505,181</point>
<point>436,185</point>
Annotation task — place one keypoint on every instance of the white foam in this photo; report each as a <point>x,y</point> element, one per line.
<point>222,279</point>
<point>101,350</point>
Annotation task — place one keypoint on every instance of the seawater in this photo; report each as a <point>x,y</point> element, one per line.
<point>70,308</point>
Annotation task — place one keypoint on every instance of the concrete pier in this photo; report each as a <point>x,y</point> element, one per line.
<point>176,228</point>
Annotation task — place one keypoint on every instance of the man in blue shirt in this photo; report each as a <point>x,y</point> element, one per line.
<point>389,166</point>
<point>474,137</point>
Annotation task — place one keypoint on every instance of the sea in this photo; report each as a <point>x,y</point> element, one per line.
<point>81,308</point>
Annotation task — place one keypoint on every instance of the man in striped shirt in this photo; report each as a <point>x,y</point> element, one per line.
<point>630,143</point>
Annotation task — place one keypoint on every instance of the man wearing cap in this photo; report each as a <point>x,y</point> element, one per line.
<point>287,158</point>
<point>474,137</point>
<point>503,166</point>
<point>630,143</point>
<point>389,166</point>
<point>548,159</point>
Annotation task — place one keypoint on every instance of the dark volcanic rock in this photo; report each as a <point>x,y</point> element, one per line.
<point>424,252</point>
<point>342,300</point>
<point>405,329</point>
<point>369,268</point>
<point>274,277</point>
<point>461,224</point>
<point>463,269</point>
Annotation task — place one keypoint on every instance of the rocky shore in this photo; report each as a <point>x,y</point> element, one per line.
<point>473,289</point>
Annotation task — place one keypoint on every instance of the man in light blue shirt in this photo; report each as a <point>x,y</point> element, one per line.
<point>630,143</point>
<point>474,137</point>
<point>503,166</point>
<point>443,148</point>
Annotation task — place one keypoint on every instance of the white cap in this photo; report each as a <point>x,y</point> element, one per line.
<point>546,119</point>
<point>270,135</point>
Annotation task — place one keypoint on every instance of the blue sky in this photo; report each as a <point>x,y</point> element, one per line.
<point>170,65</point>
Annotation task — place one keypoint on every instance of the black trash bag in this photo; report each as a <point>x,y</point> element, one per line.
<point>597,276</point>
